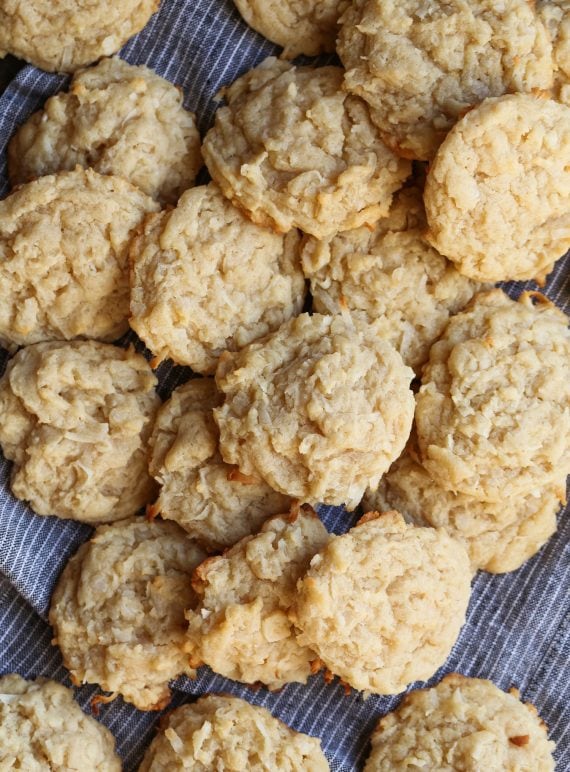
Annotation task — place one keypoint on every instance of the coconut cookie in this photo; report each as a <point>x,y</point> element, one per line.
<point>62,36</point>
<point>383,604</point>
<point>240,627</point>
<point>391,277</point>
<point>300,26</point>
<point>205,279</point>
<point>226,733</point>
<point>498,536</point>
<point>556,16</point>
<point>64,257</point>
<point>493,412</point>
<point>421,67</point>
<point>118,119</point>
<point>462,723</point>
<point>118,610</point>
<point>42,728</point>
<point>497,193</point>
<point>210,499</point>
<point>319,409</point>
<point>75,419</point>
<point>293,150</point>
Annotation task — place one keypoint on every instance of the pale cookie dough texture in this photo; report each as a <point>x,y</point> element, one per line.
<point>462,723</point>
<point>205,279</point>
<point>293,150</point>
<point>497,193</point>
<point>63,35</point>
<point>240,627</point>
<point>319,409</point>
<point>118,610</point>
<point>42,728</point>
<point>556,16</point>
<point>227,733</point>
<point>499,537</point>
<point>391,277</point>
<point>493,412</point>
<point>300,26</point>
<point>64,257</point>
<point>421,66</point>
<point>210,499</point>
<point>117,119</point>
<point>383,604</point>
<point>75,419</point>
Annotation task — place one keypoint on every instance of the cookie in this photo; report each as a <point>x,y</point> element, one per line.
<point>319,409</point>
<point>226,733</point>
<point>555,15</point>
<point>118,610</point>
<point>75,419</point>
<point>205,279</point>
<point>117,119</point>
<point>498,536</point>
<point>64,257</point>
<point>497,193</point>
<point>300,26</point>
<point>462,723</point>
<point>240,627</point>
<point>383,604</point>
<point>493,411</point>
<point>42,728</point>
<point>210,499</point>
<point>391,277</point>
<point>62,36</point>
<point>293,150</point>
<point>421,67</point>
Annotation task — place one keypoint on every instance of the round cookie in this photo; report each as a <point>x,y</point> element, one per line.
<point>64,257</point>
<point>383,604</point>
<point>210,499</point>
<point>319,409</point>
<point>421,67</point>
<point>294,150</point>
<point>64,35</point>
<point>462,723</point>
<point>42,728</point>
<point>117,119</point>
<point>300,26</point>
<point>391,277</point>
<point>227,733</point>
<point>75,419</point>
<point>498,537</point>
<point>118,610</point>
<point>556,17</point>
<point>497,193</point>
<point>493,412</point>
<point>240,627</point>
<point>205,279</point>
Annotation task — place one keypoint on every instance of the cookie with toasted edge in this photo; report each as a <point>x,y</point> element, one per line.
<point>555,15</point>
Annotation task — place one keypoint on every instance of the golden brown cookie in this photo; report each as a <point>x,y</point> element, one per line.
<point>556,17</point>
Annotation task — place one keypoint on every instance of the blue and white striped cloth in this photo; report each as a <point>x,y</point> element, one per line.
<point>517,632</point>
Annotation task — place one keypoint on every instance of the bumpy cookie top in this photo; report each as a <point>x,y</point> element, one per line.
<point>556,16</point>
<point>497,193</point>
<point>421,65</point>
<point>64,257</point>
<point>240,628</point>
<point>222,732</point>
<point>210,499</point>
<point>383,604</point>
<point>319,409</point>
<point>293,150</point>
<point>205,279</point>
<point>462,723</point>
<point>64,35</point>
<point>118,609</point>
<point>74,419</point>
<point>42,728</point>
<point>493,412</point>
<point>300,26</point>
<point>118,119</point>
<point>389,276</point>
